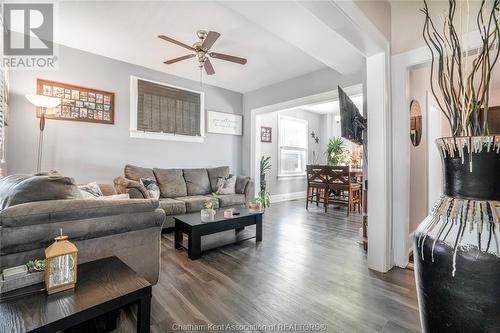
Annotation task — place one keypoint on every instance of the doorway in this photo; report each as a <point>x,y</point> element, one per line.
<point>319,114</point>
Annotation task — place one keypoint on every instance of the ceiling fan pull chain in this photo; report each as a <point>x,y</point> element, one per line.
<point>201,78</point>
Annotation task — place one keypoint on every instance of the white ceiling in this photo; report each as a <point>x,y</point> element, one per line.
<point>331,106</point>
<point>128,31</point>
<point>323,108</point>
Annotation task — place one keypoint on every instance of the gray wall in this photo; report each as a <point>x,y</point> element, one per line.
<point>283,186</point>
<point>98,152</point>
<point>419,79</point>
<point>313,83</point>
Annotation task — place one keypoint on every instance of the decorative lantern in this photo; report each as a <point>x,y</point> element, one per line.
<point>60,265</point>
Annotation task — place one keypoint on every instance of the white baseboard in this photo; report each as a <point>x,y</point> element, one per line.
<point>287,196</point>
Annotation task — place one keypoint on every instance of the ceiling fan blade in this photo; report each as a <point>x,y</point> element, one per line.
<point>208,67</point>
<point>171,61</point>
<point>212,36</point>
<point>171,40</point>
<point>226,57</point>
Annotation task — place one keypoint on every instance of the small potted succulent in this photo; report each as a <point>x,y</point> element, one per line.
<point>37,265</point>
<point>208,213</point>
<point>254,205</point>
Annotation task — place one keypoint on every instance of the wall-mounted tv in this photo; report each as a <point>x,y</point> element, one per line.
<point>352,123</point>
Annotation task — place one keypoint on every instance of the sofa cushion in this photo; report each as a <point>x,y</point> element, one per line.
<point>136,173</point>
<point>53,211</point>
<point>241,184</point>
<point>196,203</point>
<point>197,181</point>
<point>18,189</point>
<point>231,199</point>
<point>215,173</point>
<point>171,182</point>
<point>25,238</point>
<point>172,206</point>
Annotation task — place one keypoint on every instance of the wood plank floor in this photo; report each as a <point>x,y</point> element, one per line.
<point>309,269</point>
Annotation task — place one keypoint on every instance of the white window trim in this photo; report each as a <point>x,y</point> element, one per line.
<point>135,133</point>
<point>285,176</point>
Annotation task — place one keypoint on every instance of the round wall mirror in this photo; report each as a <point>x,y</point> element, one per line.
<point>415,123</point>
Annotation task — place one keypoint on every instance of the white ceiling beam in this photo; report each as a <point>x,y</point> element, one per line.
<point>349,21</point>
<point>298,25</point>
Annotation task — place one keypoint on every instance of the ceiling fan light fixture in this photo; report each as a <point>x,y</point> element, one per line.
<point>201,50</point>
<point>202,34</point>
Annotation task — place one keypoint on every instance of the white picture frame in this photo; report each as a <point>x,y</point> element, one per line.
<point>224,123</point>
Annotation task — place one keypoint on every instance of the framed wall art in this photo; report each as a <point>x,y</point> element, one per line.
<point>224,123</point>
<point>266,134</point>
<point>78,103</point>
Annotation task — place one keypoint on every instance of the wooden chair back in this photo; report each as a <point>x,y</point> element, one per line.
<point>316,176</point>
<point>340,177</point>
<point>328,176</point>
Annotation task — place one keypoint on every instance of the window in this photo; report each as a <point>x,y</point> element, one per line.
<point>160,111</point>
<point>292,146</point>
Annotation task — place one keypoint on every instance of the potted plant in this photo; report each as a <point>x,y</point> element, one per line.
<point>208,213</point>
<point>265,167</point>
<point>336,154</point>
<point>263,200</point>
<point>457,266</point>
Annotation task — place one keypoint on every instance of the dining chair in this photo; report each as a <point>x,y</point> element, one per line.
<point>316,183</point>
<point>344,191</point>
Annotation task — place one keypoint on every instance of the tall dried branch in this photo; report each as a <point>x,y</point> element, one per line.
<point>463,93</point>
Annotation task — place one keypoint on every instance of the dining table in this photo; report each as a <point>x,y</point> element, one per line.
<point>356,172</point>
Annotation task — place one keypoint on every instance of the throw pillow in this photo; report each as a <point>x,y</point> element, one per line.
<point>114,197</point>
<point>152,187</point>
<point>90,191</point>
<point>226,185</point>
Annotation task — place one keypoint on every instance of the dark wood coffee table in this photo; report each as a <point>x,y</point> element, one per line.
<point>103,286</point>
<point>194,227</point>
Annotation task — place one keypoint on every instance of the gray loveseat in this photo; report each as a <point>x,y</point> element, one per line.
<point>128,229</point>
<point>184,190</point>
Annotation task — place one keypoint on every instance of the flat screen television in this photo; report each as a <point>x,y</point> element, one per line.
<point>352,123</point>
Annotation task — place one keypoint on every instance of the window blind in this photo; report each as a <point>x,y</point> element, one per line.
<point>167,109</point>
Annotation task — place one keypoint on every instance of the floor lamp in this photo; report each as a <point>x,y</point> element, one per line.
<point>43,102</point>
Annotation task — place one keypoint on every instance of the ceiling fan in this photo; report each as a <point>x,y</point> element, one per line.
<point>201,50</point>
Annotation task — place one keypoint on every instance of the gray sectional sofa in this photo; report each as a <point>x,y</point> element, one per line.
<point>128,229</point>
<point>184,190</point>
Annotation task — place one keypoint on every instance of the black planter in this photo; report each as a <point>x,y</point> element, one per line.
<point>483,183</point>
<point>456,252</point>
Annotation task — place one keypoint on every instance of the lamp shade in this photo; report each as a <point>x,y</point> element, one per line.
<point>43,101</point>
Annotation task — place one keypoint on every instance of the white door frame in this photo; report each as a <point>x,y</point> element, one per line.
<point>378,107</point>
<point>400,67</point>
<point>379,163</point>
